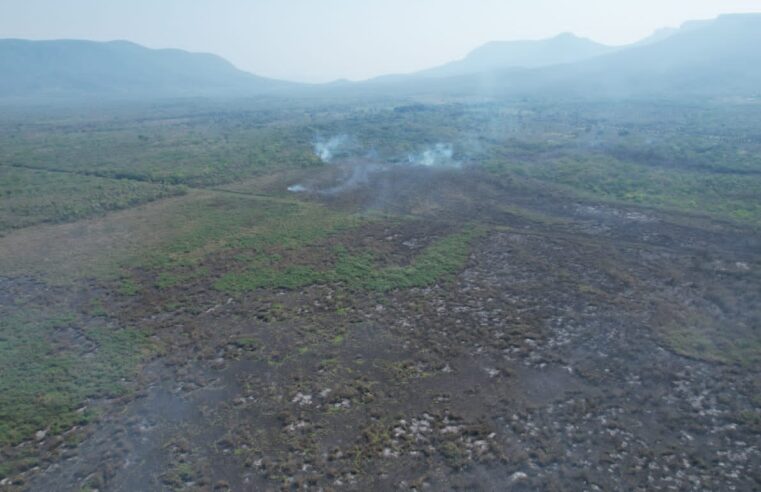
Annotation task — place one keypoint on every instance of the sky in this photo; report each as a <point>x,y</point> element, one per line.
<point>323,40</point>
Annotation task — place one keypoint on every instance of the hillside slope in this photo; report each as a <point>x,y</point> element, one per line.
<point>117,68</point>
<point>565,48</point>
<point>718,58</point>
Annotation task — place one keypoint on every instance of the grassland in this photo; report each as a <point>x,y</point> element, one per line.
<point>356,271</point>
<point>701,337</point>
<point>47,378</point>
<point>173,152</point>
<point>36,196</point>
<point>57,365</point>
<point>65,170</point>
<point>237,227</point>
<point>718,195</point>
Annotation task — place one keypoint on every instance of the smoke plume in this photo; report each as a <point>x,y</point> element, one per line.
<point>440,155</point>
<point>326,149</point>
<point>355,171</point>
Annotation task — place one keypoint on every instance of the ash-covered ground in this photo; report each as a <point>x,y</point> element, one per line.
<point>559,357</point>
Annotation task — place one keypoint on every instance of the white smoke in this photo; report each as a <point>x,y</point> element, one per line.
<point>355,173</point>
<point>297,188</point>
<point>326,149</point>
<point>358,175</point>
<point>352,176</point>
<point>440,155</point>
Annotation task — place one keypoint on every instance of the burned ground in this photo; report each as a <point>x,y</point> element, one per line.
<point>553,358</point>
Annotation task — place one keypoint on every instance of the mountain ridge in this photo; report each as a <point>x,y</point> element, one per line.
<point>702,58</point>
<point>118,68</point>
<point>711,57</point>
<point>495,55</point>
<point>563,48</point>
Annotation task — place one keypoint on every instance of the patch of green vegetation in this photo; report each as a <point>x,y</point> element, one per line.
<point>698,336</point>
<point>751,418</point>
<point>22,463</point>
<point>246,343</point>
<point>329,364</point>
<point>51,365</point>
<point>185,471</point>
<point>591,290</point>
<point>60,173</point>
<point>532,215</point>
<point>204,152</point>
<point>167,280</point>
<point>292,277</point>
<point>724,196</point>
<point>128,287</point>
<point>96,308</point>
<point>454,453</point>
<point>260,231</point>
<point>34,196</point>
<point>291,228</point>
<point>179,475</point>
<point>439,261</point>
<point>248,225</point>
<point>170,239</point>
<point>406,370</point>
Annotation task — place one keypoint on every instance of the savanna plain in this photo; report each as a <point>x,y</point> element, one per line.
<point>283,294</point>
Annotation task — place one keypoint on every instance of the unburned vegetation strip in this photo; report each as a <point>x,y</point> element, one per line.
<point>56,364</point>
<point>222,229</point>
<point>32,196</point>
<point>438,261</point>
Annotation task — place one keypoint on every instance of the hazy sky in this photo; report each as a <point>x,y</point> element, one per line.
<point>319,40</point>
